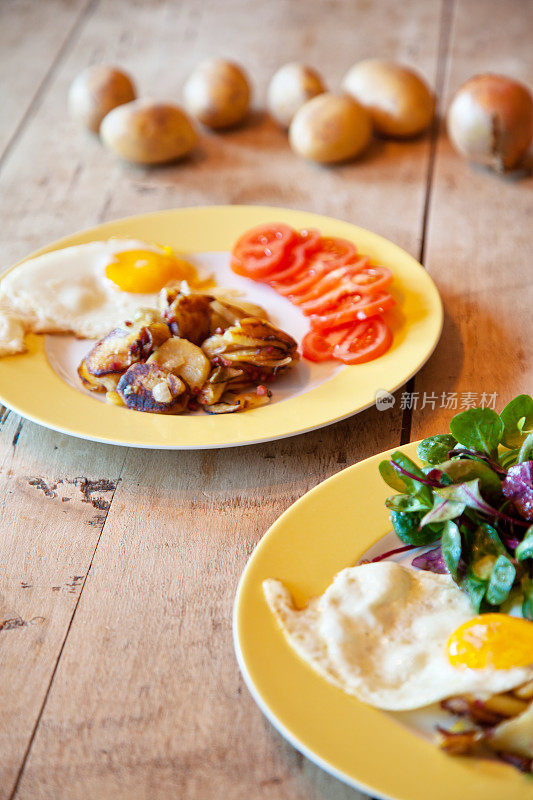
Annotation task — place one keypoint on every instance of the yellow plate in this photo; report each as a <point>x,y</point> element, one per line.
<point>30,386</point>
<point>328,529</point>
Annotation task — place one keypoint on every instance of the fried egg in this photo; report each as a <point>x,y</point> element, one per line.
<point>399,638</point>
<point>86,289</point>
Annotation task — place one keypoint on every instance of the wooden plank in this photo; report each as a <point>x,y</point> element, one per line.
<point>33,37</point>
<point>478,246</point>
<point>55,496</point>
<point>147,700</point>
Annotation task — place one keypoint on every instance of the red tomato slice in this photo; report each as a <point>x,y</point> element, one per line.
<point>303,280</point>
<point>327,279</point>
<point>354,309</point>
<point>296,260</point>
<point>318,346</point>
<point>364,342</point>
<point>336,251</point>
<point>372,279</point>
<point>260,250</point>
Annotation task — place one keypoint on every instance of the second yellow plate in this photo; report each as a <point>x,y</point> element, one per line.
<point>328,529</point>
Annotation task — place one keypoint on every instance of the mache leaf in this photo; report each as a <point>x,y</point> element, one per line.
<point>451,547</point>
<point>435,449</point>
<point>467,469</point>
<point>526,451</point>
<point>405,502</point>
<point>527,593</point>
<point>478,429</point>
<point>525,548</point>
<point>406,527</point>
<point>443,510</point>
<point>391,476</point>
<point>475,589</point>
<point>517,418</point>
<point>501,581</point>
<point>412,484</point>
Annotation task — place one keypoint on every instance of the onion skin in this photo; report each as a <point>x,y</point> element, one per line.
<point>290,87</point>
<point>397,99</point>
<point>330,128</point>
<point>490,121</point>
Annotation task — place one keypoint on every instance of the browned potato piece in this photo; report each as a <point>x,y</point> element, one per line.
<point>254,345</point>
<point>216,384</point>
<point>231,402</point>
<point>188,315</point>
<point>148,387</point>
<point>225,313</point>
<point>459,743</point>
<point>111,356</point>
<point>184,359</point>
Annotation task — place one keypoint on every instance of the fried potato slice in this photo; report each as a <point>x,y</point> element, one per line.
<point>253,343</point>
<point>128,344</point>
<point>184,359</point>
<point>188,315</point>
<point>151,388</point>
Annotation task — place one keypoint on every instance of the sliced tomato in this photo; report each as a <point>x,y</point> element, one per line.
<point>260,250</point>
<point>326,279</point>
<point>336,251</point>
<point>302,281</point>
<point>364,342</point>
<point>372,279</point>
<point>318,346</point>
<point>353,309</point>
<point>296,260</point>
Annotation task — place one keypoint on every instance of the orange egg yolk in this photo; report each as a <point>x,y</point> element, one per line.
<point>492,640</point>
<point>145,271</point>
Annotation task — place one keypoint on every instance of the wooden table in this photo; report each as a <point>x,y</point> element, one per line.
<point>118,567</point>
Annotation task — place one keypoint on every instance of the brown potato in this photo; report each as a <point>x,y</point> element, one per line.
<point>291,86</point>
<point>330,128</point>
<point>150,388</point>
<point>184,359</point>
<point>217,93</point>
<point>96,91</point>
<point>111,356</point>
<point>146,132</point>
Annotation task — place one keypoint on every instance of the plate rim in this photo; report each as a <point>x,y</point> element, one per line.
<point>179,441</point>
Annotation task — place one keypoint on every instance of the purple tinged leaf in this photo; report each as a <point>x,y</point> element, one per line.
<point>518,487</point>
<point>432,561</point>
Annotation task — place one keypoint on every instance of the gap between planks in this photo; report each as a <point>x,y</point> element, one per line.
<point>447,13</point>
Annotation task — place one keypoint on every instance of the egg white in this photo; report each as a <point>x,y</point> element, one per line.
<point>67,291</point>
<point>379,632</point>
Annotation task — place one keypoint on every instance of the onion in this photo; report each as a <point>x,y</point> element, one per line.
<point>490,121</point>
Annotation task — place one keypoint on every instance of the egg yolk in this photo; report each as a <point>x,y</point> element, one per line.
<point>145,271</point>
<point>492,640</point>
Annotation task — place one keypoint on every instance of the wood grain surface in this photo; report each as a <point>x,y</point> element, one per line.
<point>118,567</point>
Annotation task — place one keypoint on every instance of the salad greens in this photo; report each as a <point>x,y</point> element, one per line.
<point>472,500</point>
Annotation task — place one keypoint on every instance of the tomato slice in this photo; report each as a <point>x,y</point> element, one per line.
<point>372,279</point>
<point>353,309</point>
<point>297,259</point>
<point>364,342</point>
<point>335,251</point>
<point>260,250</point>
<point>318,346</point>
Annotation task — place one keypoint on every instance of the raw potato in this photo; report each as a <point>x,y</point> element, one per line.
<point>292,86</point>
<point>146,132</point>
<point>398,100</point>
<point>218,93</point>
<point>490,121</point>
<point>330,128</point>
<point>184,359</point>
<point>96,91</point>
